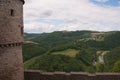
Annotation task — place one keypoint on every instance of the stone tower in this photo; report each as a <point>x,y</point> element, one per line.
<point>11,38</point>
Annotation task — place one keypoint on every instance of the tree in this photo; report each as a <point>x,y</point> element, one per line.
<point>87,56</point>
<point>111,58</point>
<point>55,63</point>
<point>116,67</point>
<point>100,67</point>
<point>90,69</point>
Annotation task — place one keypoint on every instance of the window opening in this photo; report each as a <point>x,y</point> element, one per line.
<point>22,31</point>
<point>12,12</point>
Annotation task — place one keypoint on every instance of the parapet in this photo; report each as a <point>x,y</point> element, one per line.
<point>39,75</point>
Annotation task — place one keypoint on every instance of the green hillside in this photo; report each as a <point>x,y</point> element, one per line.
<point>55,63</point>
<point>78,46</point>
<point>50,42</point>
<point>31,50</point>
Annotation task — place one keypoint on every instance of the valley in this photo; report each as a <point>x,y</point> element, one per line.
<point>86,51</point>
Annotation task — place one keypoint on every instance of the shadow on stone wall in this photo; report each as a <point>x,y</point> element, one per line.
<point>38,75</point>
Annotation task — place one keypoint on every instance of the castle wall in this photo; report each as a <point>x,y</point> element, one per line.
<point>38,75</point>
<point>11,62</point>
<point>11,21</point>
<point>11,38</point>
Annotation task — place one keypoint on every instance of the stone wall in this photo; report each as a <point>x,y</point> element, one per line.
<point>11,64</point>
<point>11,38</point>
<point>11,21</point>
<point>38,75</point>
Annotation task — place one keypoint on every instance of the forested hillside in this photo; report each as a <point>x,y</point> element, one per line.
<point>89,51</point>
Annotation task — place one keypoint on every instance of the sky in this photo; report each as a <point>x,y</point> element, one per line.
<point>43,16</point>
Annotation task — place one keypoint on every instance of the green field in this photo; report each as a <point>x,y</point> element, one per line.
<point>68,52</point>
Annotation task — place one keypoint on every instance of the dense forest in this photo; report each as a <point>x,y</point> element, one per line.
<point>73,51</point>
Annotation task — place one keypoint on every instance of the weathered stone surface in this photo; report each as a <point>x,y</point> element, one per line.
<point>11,21</point>
<point>37,75</point>
<point>11,38</point>
<point>11,63</point>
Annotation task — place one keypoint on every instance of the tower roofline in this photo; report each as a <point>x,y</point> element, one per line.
<point>23,1</point>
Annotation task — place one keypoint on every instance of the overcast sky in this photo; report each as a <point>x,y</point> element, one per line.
<point>57,15</point>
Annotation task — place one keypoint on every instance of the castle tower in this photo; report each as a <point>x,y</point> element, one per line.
<point>11,38</point>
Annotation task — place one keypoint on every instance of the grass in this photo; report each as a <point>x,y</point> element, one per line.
<point>68,52</point>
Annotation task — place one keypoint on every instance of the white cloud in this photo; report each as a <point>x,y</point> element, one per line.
<point>36,27</point>
<point>77,15</point>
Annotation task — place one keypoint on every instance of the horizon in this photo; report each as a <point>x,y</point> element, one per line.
<point>44,16</point>
<point>73,31</point>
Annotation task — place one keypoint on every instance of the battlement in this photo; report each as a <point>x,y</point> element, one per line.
<point>38,75</point>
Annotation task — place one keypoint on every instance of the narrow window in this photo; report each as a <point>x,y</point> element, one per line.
<point>22,31</point>
<point>12,12</point>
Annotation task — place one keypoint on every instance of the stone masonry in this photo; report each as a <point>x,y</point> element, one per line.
<point>11,38</point>
<point>38,75</point>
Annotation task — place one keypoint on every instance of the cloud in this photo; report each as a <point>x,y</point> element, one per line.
<point>37,27</point>
<point>55,15</point>
<point>102,1</point>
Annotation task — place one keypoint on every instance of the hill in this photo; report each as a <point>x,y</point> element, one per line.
<point>83,45</point>
<point>50,42</point>
<point>30,35</point>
